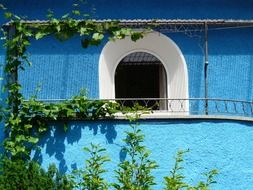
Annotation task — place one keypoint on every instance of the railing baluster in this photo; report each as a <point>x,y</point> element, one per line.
<point>226,107</point>
<point>243,108</point>
<point>146,103</point>
<point>251,108</point>
<point>235,107</point>
<point>216,107</point>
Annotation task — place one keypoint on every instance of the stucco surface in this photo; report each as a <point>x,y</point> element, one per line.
<point>226,146</point>
<point>140,9</point>
<point>62,69</point>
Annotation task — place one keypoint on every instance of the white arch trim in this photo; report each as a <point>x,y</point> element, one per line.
<point>154,43</point>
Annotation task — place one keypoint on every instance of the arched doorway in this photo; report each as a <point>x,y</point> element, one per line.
<point>156,44</point>
<point>141,75</point>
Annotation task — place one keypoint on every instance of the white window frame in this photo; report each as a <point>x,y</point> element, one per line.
<point>157,44</point>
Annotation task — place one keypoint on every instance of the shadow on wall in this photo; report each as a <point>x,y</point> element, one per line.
<point>65,148</point>
<point>56,140</point>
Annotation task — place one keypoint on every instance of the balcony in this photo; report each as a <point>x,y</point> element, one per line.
<point>192,108</point>
<point>195,107</point>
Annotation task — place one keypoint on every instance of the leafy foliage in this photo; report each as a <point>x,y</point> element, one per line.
<point>21,175</point>
<point>91,176</point>
<point>175,180</point>
<point>30,121</point>
<point>135,172</point>
<point>25,121</point>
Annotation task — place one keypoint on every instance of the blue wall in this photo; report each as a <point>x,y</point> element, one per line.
<point>62,69</point>
<point>223,145</point>
<point>152,9</point>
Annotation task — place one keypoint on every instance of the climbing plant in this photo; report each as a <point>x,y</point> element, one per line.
<point>26,120</point>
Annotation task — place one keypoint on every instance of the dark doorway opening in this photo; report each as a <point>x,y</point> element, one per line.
<point>141,75</point>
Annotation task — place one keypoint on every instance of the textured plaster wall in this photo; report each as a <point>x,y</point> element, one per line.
<point>223,145</point>
<point>140,9</point>
<point>62,69</point>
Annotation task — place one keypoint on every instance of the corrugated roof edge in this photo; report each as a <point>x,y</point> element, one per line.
<point>158,21</point>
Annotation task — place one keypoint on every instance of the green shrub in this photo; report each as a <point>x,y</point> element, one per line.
<point>135,172</point>
<point>90,178</point>
<point>175,180</point>
<point>21,175</point>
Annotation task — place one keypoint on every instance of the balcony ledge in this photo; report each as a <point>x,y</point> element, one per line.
<point>169,116</point>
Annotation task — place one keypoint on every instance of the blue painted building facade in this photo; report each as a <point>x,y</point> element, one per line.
<point>62,69</point>
<point>229,50</point>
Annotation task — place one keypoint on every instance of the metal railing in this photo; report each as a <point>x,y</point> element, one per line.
<point>191,106</point>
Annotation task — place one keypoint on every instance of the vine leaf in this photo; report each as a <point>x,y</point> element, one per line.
<point>97,36</point>
<point>76,12</point>
<point>39,35</point>
<point>8,15</point>
<point>136,36</point>
<point>33,140</point>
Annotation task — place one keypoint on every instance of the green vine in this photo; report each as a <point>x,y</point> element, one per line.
<point>33,116</point>
<point>25,120</point>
